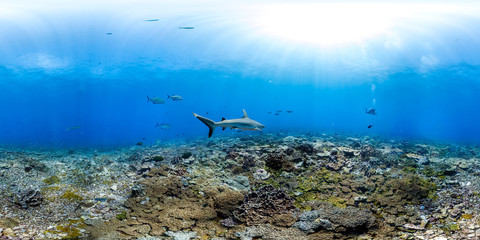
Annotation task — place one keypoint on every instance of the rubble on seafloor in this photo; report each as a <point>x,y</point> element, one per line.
<point>270,186</point>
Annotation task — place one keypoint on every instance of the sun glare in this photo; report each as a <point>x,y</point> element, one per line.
<point>326,24</point>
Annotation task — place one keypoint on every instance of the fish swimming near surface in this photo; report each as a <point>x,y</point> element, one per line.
<point>370,111</point>
<point>156,100</point>
<point>151,20</point>
<point>187,28</point>
<point>370,126</point>
<point>175,97</point>
<point>244,123</point>
<point>289,111</point>
<point>72,128</point>
<point>163,126</point>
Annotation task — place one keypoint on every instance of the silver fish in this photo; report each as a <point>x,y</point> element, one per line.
<point>156,100</point>
<point>175,97</point>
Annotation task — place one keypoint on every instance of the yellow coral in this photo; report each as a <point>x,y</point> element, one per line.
<point>72,196</point>
<point>51,180</point>
<point>337,201</point>
<point>69,230</point>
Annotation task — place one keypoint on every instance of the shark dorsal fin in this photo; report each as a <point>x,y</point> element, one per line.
<point>245,114</point>
<point>223,119</point>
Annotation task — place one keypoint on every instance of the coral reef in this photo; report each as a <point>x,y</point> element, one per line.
<point>400,191</point>
<point>328,217</point>
<point>167,202</point>
<point>239,183</point>
<point>269,186</point>
<point>277,161</point>
<point>29,198</point>
<point>264,231</point>
<point>186,155</point>
<point>266,205</point>
<point>225,200</point>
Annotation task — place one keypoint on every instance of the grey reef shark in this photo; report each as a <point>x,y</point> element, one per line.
<point>244,123</point>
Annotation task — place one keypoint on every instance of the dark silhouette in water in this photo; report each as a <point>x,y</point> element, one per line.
<point>163,125</point>
<point>370,126</point>
<point>72,128</point>
<point>370,111</point>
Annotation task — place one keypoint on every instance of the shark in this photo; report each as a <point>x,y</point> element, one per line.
<point>244,123</point>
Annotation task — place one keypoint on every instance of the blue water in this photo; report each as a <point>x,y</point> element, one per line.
<point>59,69</point>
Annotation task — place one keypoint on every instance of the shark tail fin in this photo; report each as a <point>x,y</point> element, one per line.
<point>208,122</point>
<point>148,99</point>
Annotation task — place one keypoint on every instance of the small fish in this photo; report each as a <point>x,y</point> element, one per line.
<point>279,111</point>
<point>139,143</point>
<point>269,112</point>
<point>156,100</point>
<point>109,33</point>
<point>152,20</point>
<point>163,126</point>
<point>276,114</point>
<point>175,97</point>
<point>370,126</point>
<point>370,111</point>
<point>72,128</point>
<point>289,111</point>
<point>186,28</point>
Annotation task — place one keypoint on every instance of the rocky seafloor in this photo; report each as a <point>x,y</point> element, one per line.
<point>269,186</point>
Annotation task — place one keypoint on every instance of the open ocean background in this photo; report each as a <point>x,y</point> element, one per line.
<point>59,68</point>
